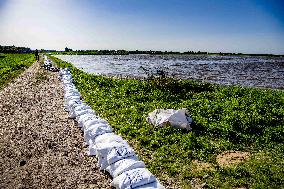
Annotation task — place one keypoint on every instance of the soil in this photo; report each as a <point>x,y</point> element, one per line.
<point>39,146</point>
<point>230,158</point>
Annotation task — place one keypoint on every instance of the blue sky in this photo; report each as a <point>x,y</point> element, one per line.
<point>247,26</point>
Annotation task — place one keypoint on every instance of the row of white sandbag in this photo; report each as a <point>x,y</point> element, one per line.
<point>47,64</point>
<point>113,153</point>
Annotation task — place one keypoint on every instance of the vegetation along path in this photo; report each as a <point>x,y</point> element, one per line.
<point>39,146</point>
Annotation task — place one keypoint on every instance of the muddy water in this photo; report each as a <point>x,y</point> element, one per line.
<point>250,71</point>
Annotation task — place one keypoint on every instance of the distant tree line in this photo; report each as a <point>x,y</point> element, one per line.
<point>125,52</point>
<point>14,49</point>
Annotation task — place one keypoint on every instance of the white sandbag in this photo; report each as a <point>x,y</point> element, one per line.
<point>104,138</point>
<point>65,81</point>
<point>73,106</point>
<point>82,112</point>
<point>123,165</point>
<point>89,123</point>
<point>133,178</point>
<point>176,118</point>
<point>82,106</point>
<point>107,138</point>
<point>71,103</point>
<point>92,148</point>
<point>71,97</point>
<point>119,153</point>
<point>69,88</point>
<point>76,108</point>
<point>71,92</point>
<point>95,130</point>
<point>84,118</point>
<point>67,78</point>
<point>102,149</point>
<point>153,185</point>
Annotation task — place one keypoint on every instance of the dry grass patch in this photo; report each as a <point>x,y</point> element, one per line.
<point>230,158</point>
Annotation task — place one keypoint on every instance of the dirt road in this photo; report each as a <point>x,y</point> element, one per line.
<point>39,146</point>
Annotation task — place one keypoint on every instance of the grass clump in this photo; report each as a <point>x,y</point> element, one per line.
<point>11,65</point>
<point>225,118</point>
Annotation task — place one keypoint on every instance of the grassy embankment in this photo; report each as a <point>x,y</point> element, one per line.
<point>12,65</point>
<point>226,118</point>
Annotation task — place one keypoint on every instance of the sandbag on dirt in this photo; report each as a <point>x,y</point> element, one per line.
<point>82,112</point>
<point>102,150</point>
<point>70,94</point>
<point>78,110</point>
<point>73,106</point>
<point>71,103</point>
<point>133,178</point>
<point>92,148</point>
<point>104,138</point>
<point>89,123</point>
<point>86,117</point>
<point>73,97</point>
<point>176,118</point>
<point>107,138</point>
<point>123,165</point>
<point>68,88</point>
<point>119,153</point>
<point>95,130</point>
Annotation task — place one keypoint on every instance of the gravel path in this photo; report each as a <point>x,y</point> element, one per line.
<point>39,146</point>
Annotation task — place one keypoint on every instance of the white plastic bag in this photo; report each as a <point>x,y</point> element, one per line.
<point>123,165</point>
<point>133,178</point>
<point>176,118</point>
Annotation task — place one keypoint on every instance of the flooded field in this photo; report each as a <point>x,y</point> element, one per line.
<point>267,72</point>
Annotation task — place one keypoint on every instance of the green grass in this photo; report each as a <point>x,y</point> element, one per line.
<point>225,118</point>
<point>11,65</point>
